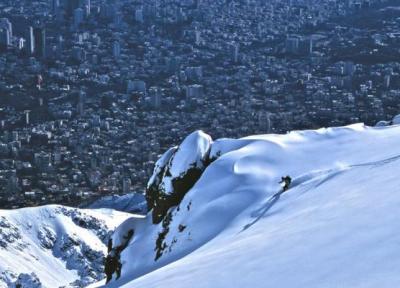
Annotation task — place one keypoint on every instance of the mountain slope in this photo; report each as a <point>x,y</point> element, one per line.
<point>54,245</point>
<point>335,227</point>
<point>131,203</point>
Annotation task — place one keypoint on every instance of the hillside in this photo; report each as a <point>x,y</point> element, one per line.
<point>226,224</point>
<point>53,246</point>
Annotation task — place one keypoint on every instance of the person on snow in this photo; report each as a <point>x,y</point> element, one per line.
<point>286,181</point>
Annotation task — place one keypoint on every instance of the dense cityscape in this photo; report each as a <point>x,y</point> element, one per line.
<point>92,91</point>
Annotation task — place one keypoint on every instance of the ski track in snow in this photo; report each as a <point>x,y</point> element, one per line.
<point>320,177</point>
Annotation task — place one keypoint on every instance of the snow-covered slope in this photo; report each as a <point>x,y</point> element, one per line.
<point>54,246</point>
<point>132,203</point>
<point>337,225</point>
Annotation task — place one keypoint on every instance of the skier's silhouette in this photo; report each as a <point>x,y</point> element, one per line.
<point>286,180</point>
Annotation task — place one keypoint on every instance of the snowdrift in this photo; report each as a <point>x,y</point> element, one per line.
<point>337,225</point>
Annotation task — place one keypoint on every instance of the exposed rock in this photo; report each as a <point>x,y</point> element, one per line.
<point>176,172</point>
<point>113,263</point>
<point>47,237</point>
<point>81,257</point>
<point>28,281</point>
<point>10,235</point>
<point>152,191</point>
<point>87,222</point>
<point>160,244</point>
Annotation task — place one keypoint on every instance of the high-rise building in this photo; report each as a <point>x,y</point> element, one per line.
<point>292,45</point>
<point>5,40</point>
<point>6,24</point>
<point>264,122</point>
<point>21,43</point>
<point>116,49</point>
<point>349,68</point>
<point>81,102</point>
<point>136,86</point>
<point>55,6</point>
<point>87,7</point>
<point>306,45</point>
<point>197,37</point>
<point>386,81</point>
<point>78,17</point>
<point>27,117</point>
<point>194,92</point>
<point>39,34</point>
<point>126,185</point>
<point>70,6</point>
<point>30,41</point>
<point>139,15</point>
<point>5,32</point>
<point>233,50</point>
<point>155,94</point>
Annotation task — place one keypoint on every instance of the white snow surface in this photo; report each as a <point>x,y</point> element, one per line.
<point>337,225</point>
<point>36,240</point>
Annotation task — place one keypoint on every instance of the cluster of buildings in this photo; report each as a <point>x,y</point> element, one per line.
<point>92,91</point>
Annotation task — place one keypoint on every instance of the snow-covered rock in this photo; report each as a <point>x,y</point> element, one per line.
<point>53,246</point>
<point>176,172</point>
<point>337,225</point>
<point>383,123</point>
<point>26,280</point>
<point>396,120</point>
<point>160,166</point>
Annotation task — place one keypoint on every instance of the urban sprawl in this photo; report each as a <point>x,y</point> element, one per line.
<point>92,91</point>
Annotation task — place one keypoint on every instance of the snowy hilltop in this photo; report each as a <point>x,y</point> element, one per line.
<point>54,246</point>
<point>132,203</point>
<point>218,218</point>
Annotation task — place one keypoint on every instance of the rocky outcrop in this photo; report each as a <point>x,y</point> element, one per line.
<point>28,281</point>
<point>47,237</point>
<point>176,172</point>
<point>395,121</point>
<point>112,263</point>
<point>10,235</point>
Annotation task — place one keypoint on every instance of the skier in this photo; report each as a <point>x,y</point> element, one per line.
<point>286,180</point>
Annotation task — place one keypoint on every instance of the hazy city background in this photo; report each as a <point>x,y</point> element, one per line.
<point>91,92</point>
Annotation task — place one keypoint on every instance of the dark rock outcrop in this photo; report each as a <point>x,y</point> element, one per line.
<point>112,263</point>
<point>176,172</point>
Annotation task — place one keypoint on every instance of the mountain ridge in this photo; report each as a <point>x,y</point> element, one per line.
<point>232,199</point>
<point>231,215</point>
<point>54,245</point>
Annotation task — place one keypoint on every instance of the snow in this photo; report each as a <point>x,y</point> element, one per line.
<point>54,245</point>
<point>335,227</point>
